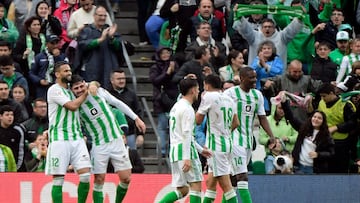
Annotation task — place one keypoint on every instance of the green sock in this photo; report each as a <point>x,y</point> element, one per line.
<point>209,196</point>
<point>83,191</point>
<point>56,194</point>
<point>244,191</point>
<point>171,197</point>
<point>230,196</point>
<point>223,199</point>
<point>195,196</point>
<point>121,192</point>
<point>98,197</point>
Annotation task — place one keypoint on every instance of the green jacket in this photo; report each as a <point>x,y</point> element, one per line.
<point>8,31</point>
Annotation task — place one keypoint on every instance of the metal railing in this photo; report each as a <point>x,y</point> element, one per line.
<point>158,143</point>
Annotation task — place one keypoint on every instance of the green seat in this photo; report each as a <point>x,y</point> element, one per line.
<point>258,168</point>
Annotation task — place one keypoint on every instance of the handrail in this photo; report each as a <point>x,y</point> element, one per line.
<point>153,125</point>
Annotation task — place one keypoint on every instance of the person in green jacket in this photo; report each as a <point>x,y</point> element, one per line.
<point>8,31</point>
<point>280,127</point>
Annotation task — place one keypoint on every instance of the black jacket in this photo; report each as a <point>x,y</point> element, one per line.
<point>324,70</point>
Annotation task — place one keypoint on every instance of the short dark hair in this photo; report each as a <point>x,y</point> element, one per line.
<point>326,88</point>
<point>119,70</point>
<point>59,64</point>
<point>5,44</point>
<point>3,82</point>
<point>6,60</point>
<point>213,80</point>
<point>202,23</point>
<point>75,79</point>
<point>199,51</point>
<point>6,108</point>
<point>38,100</point>
<point>186,84</point>
<point>267,20</point>
<point>244,71</point>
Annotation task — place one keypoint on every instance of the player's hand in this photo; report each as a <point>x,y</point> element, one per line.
<point>140,125</point>
<point>93,87</point>
<point>139,140</point>
<point>187,166</point>
<point>206,153</point>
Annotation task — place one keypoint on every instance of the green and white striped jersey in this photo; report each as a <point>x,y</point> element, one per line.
<point>63,124</point>
<point>182,126</point>
<point>220,110</point>
<point>7,160</point>
<point>249,105</point>
<point>98,118</point>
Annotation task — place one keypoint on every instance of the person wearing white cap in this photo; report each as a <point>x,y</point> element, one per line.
<point>348,60</point>
<point>342,43</point>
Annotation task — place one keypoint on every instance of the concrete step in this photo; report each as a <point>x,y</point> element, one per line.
<point>151,165</point>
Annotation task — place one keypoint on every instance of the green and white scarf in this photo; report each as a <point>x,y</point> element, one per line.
<point>245,10</point>
<point>29,45</point>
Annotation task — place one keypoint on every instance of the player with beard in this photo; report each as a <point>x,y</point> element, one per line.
<point>100,123</point>
<point>66,143</point>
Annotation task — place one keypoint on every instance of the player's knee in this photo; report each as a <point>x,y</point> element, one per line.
<point>242,177</point>
<point>84,177</point>
<point>184,190</point>
<point>99,179</point>
<point>126,179</point>
<point>58,181</point>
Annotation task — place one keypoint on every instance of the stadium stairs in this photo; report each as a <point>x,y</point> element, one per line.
<point>141,61</point>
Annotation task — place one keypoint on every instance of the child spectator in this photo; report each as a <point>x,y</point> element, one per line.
<point>323,68</point>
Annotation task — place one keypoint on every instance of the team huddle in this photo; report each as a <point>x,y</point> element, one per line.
<point>230,118</point>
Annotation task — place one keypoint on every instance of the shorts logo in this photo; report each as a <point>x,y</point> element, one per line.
<point>93,111</point>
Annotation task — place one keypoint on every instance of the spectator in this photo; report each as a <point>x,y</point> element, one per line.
<point>10,76</point>
<point>348,60</point>
<point>21,10</point>
<point>342,43</point>
<point>275,147</point>
<point>235,62</point>
<point>12,135</point>
<point>82,17</point>
<point>143,14</point>
<point>154,23</point>
<point>302,46</point>
<point>267,32</point>
<point>5,100</point>
<point>352,79</point>
<point>206,14</point>
<point>42,68</point>
<point>197,68</point>
<point>237,40</point>
<point>217,49</point>
<point>314,146</point>
<point>341,120</point>
<point>6,50</point>
<point>120,90</point>
<point>294,82</point>
<point>31,42</point>
<point>267,63</point>
<point>323,68</point>
<point>98,45</point>
<point>330,28</point>
<point>9,32</point>
<point>19,95</point>
<point>281,129</point>
<point>50,25</point>
<point>63,13</point>
<point>164,92</point>
<point>36,160</point>
<point>38,122</point>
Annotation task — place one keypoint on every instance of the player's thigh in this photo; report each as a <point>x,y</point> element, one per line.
<point>58,157</point>
<point>80,157</point>
<point>119,155</point>
<point>220,163</point>
<point>239,157</point>
<point>99,159</point>
<point>179,178</point>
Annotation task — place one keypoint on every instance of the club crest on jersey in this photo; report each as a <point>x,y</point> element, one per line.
<point>248,108</point>
<point>94,111</point>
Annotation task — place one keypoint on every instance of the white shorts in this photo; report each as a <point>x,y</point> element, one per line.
<point>179,178</point>
<point>114,151</point>
<point>62,153</point>
<point>240,159</point>
<point>220,163</point>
